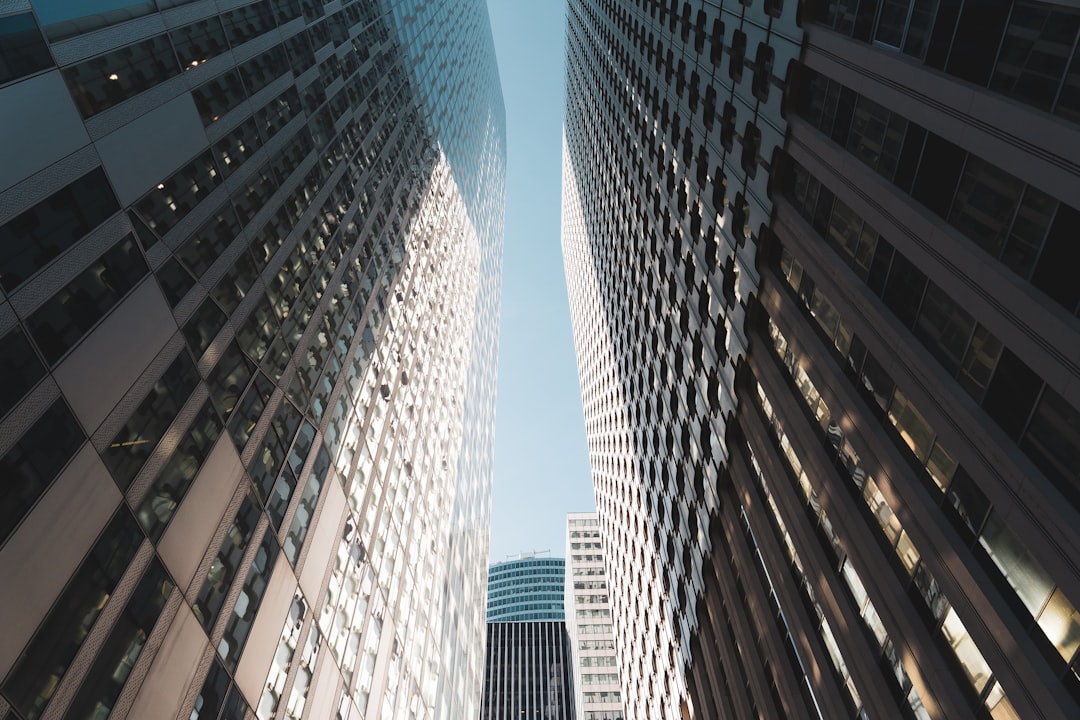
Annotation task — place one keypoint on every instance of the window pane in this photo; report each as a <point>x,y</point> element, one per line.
<point>944,327</point>
<point>985,203</point>
<point>22,51</point>
<point>31,240</point>
<point>1052,440</point>
<point>1061,623</point>
<point>1026,576</point>
<point>99,83</point>
<point>198,42</point>
<point>20,368</point>
<point>28,468</point>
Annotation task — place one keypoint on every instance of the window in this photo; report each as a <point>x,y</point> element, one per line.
<point>219,578</point>
<point>22,51</point>
<point>31,465</point>
<point>63,319</point>
<point>248,22</point>
<point>905,25</point>
<point>1052,440</point>
<point>247,604</point>
<point>172,483</point>
<point>176,196</point>
<point>877,136</point>
<point>99,83</point>
<point>944,327</point>
<point>215,98</point>
<point>176,282</point>
<point>29,241</point>
<point>198,42</point>
<point>20,368</point>
<point>122,648</point>
<point>31,683</point>
<point>1035,53</point>
<point>140,434</point>
<point>261,70</point>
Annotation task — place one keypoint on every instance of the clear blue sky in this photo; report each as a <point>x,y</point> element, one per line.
<point>541,459</point>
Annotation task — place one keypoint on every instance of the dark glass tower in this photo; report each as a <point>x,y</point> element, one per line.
<point>249,260</point>
<point>527,671</point>
<point>820,265</point>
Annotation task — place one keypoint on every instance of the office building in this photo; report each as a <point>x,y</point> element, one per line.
<point>592,640</point>
<point>526,588</point>
<point>249,259</point>
<point>527,669</point>
<point>820,261</point>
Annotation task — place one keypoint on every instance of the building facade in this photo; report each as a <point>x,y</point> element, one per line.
<point>597,693</point>
<point>527,672</point>
<point>827,338</point>
<point>527,588</point>
<point>250,285</point>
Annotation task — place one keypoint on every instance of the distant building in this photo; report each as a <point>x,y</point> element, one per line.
<point>597,695</point>
<point>529,588</point>
<point>527,670</point>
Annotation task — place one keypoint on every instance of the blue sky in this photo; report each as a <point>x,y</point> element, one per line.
<point>541,459</point>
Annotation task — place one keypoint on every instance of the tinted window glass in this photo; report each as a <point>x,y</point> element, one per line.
<point>122,648</point>
<point>28,468</point>
<point>34,679</point>
<point>172,483</point>
<point>1055,273</point>
<point>22,51</point>
<point>20,368</point>
<point>176,282</point>
<point>209,241</point>
<point>208,703</point>
<point>218,96</point>
<point>198,42</point>
<point>219,578</point>
<point>99,83</point>
<point>1053,441</point>
<point>1012,393</point>
<point>203,326</point>
<point>30,240</point>
<point>904,289</point>
<point>944,327</point>
<point>177,195</point>
<point>248,22</point>
<point>985,203</point>
<point>137,439</point>
<point>247,605</point>
<point>63,320</point>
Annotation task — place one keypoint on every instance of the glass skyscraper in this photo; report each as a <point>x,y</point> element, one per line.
<point>527,671</point>
<point>249,286</point>
<point>820,258</point>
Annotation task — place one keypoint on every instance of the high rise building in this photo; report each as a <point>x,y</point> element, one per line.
<point>597,695</point>
<point>249,259</point>
<point>527,669</point>
<point>819,258</point>
<point>526,588</point>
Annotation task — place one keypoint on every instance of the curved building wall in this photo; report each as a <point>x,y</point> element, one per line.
<point>526,589</point>
<point>249,299</point>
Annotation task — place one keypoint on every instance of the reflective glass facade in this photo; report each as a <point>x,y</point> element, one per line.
<point>826,336</point>
<point>529,588</point>
<point>249,305</point>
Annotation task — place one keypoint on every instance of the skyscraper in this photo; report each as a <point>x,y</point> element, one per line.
<point>819,263</point>
<point>526,588</point>
<point>249,259</point>
<point>597,695</point>
<point>527,670</point>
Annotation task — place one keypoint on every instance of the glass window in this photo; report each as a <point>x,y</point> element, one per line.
<point>294,541</point>
<point>171,485</point>
<point>1061,623</point>
<point>219,578</point>
<point>1052,440</point>
<point>20,368</point>
<point>904,289</point>
<point>238,146</point>
<point>1068,105</point>
<point>203,326</point>
<point>876,381</point>
<point>1035,51</point>
<point>944,327</point>
<point>31,683</point>
<point>29,241</point>
<point>198,42</point>
<point>99,83</point>
<point>122,648</point>
<point>248,22</point>
<point>228,379</point>
<point>212,696</point>
<point>971,660</point>
<point>65,317</point>
<point>1022,571</point>
<point>176,196</point>
<point>176,282</point>
<point>985,203</point>
<point>1012,393</point>
<point>31,465</point>
<point>969,502</point>
<point>263,69</point>
<point>215,98</point>
<point>1029,228</point>
<point>242,423</point>
<point>210,241</point>
<point>140,434</point>
<point>979,362</point>
<point>247,604</point>
<point>235,283</point>
<point>877,136</point>
<point>22,51</point>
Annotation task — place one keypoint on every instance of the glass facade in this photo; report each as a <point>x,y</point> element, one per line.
<point>250,301</point>
<point>826,344</point>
